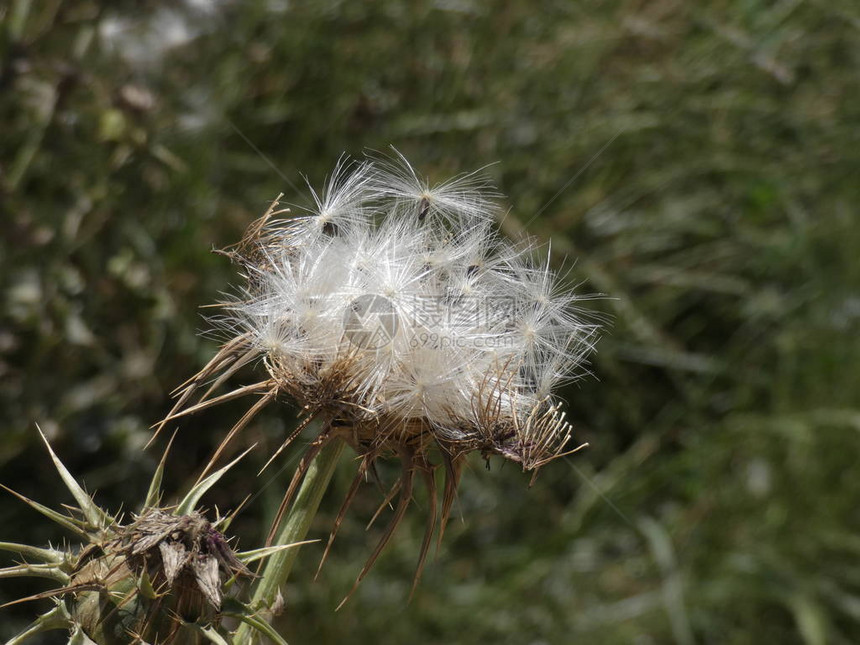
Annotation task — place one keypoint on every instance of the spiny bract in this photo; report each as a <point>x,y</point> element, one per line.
<point>394,313</point>
<point>163,578</point>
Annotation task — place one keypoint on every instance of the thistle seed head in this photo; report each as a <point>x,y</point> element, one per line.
<point>396,314</point>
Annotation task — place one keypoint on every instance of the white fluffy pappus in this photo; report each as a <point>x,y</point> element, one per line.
<point>395,313</point>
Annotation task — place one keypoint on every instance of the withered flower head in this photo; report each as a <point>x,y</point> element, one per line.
<point>160,579</point>
<point>182,553</point>
<point>149,577</point>
<point>396,315</point>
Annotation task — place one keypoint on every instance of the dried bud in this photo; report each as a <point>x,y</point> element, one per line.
<point>160,579</point>
<point>158,571</point>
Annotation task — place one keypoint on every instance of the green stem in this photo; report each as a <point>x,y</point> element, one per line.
<point>294,528</point>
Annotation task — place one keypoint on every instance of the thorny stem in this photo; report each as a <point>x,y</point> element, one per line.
<point>294,528</point>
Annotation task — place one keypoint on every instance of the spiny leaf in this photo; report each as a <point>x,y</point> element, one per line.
<point>261,626</point>
<point>69,523</point>
<point>56,618</point>
<point>60,591</point>
<point>33,552</point>
<point>247,557</point>
<point>51,571</point>
<point>154,491</point>
<point>189,502</point>
<point>96,516</point>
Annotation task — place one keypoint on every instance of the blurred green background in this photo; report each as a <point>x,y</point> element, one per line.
<point>699,163</point>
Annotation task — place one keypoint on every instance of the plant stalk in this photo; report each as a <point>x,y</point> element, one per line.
<point>294,528</point>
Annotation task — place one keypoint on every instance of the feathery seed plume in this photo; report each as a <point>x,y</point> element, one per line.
<point>397,316</point>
